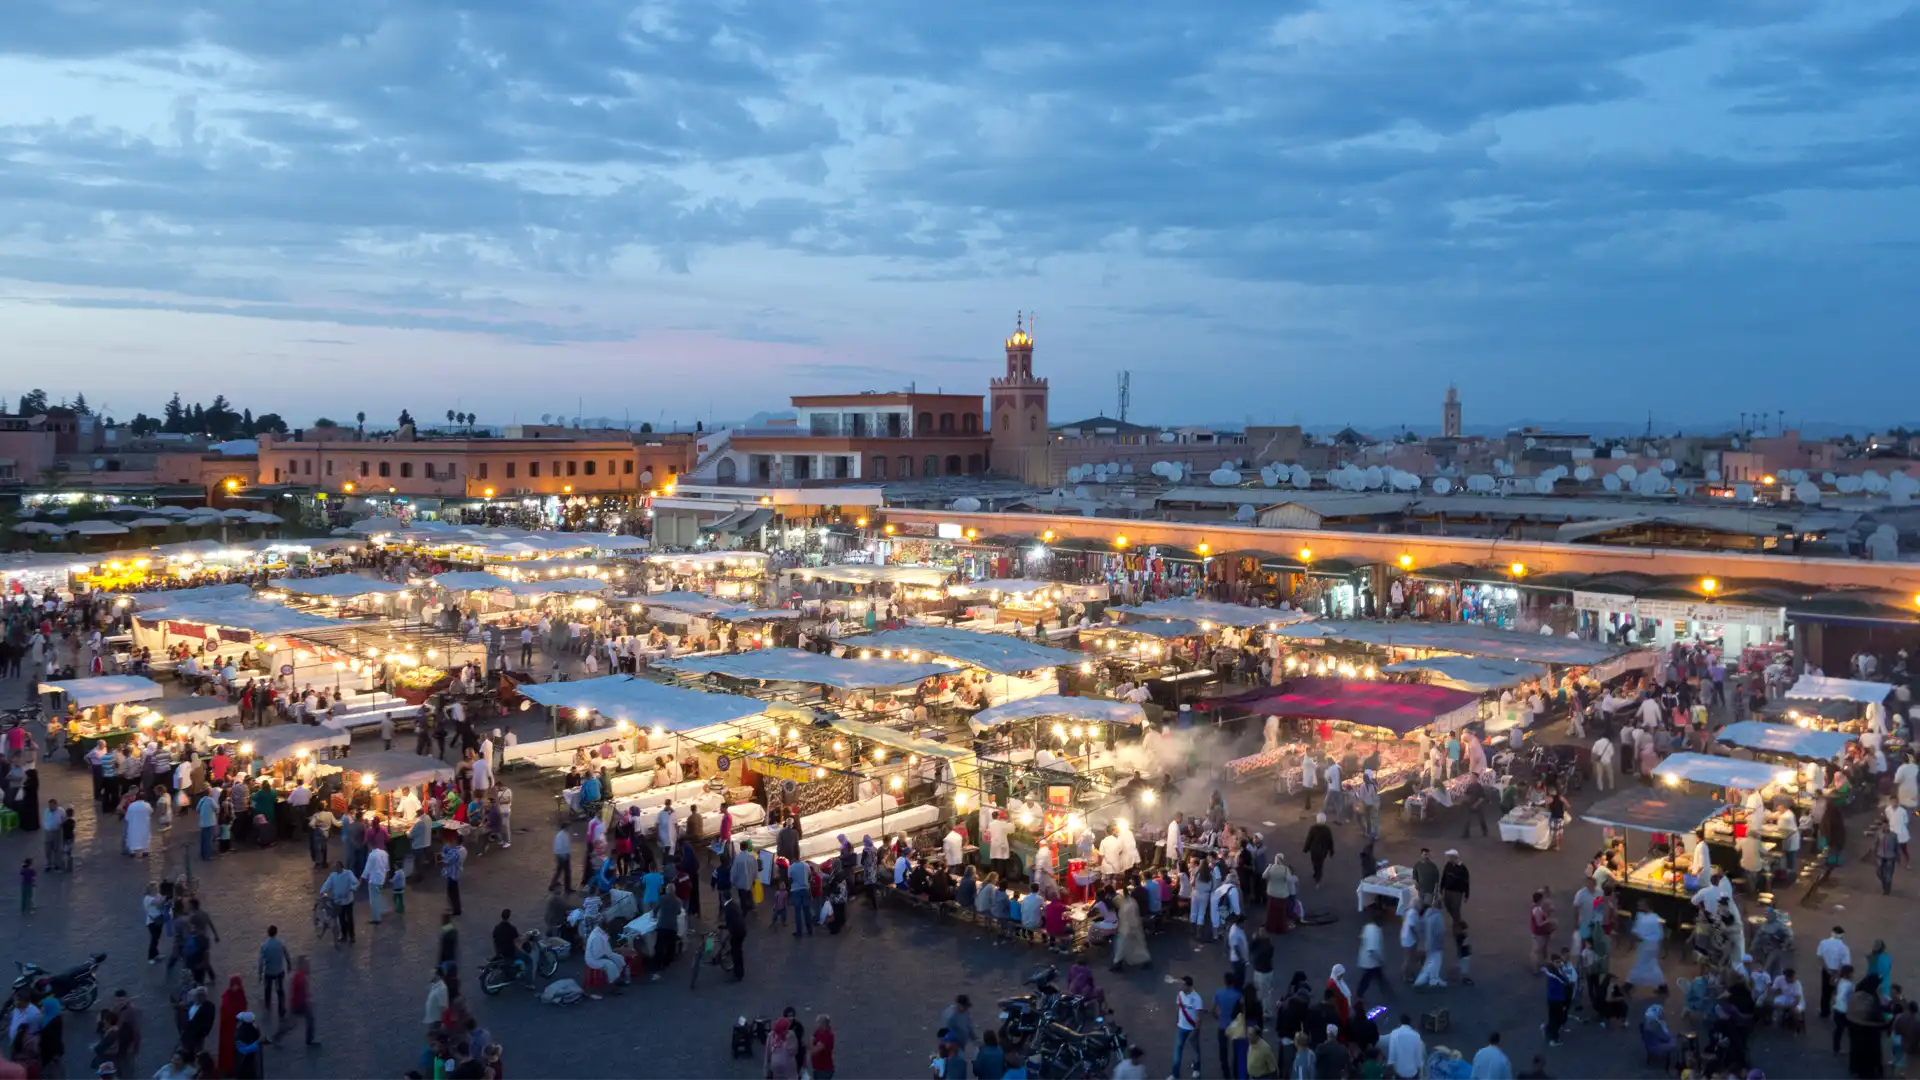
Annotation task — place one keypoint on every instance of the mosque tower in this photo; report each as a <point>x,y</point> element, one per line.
<point>1450,414</point>
<point>1018,408</point>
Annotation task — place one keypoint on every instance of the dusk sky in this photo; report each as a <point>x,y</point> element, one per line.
<point>1277,211</point>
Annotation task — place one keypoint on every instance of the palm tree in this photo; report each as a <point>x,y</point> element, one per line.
<point>361,419</point>
<point>450,415</point>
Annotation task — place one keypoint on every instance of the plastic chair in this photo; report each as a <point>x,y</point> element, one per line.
<point>9,820</point>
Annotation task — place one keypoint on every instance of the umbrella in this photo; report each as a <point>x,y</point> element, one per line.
<point>149,523</point>
<point>45,527</point>
<point>236,513</point>
<point>99,528</point>
<point>264,519</point>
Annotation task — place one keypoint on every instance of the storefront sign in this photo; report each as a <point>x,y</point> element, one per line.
<point>1773,619</point>
<point>1643,659</point>
<point>946,530</point>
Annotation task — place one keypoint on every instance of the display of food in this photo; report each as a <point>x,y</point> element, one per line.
<point>424,677</point>
<point>1241,768</point>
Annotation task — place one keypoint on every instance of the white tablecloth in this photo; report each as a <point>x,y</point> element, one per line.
<point>1531,831</point>
<point>1401,891</point>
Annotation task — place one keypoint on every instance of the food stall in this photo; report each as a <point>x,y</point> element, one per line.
<point>1728,778</point>
<point>344,592</point>
<point>847,677</point>
<point>1656,877</point>
<point>862,592</point>
<point>736,576</point>
<point>290,753</point>
<point>1013,600</point>
<point>1076,731</point>
<point>1014,668</point>
<point>1360,723</point>
<point>103,708</point>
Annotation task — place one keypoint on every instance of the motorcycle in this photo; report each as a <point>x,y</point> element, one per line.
<point>1062,1053</point>
<point>1021,1017</point>
<point>77,988</point>
<point>498,972</point>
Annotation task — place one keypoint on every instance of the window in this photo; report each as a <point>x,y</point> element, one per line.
<point>307,467</point>
<point>975,464</point>
<point>1006,423</point>
<point>453,470</point>
<point>363,469</point>
<point>429,470</point>
<point>556,469</point>
<point>906,467</point>
<point>611,470</point>
<point>483,470</point>
<point>842,467</point>
<point>511,466</point>
<point>573,468</point>
<point>858,425</point>
<point>533,469</point>
<point>953,464</point>
<point>627,466</point>
<point>329,466</point>
<point>895,423</point>
<point>879,468</point>
<point>970,424</point>
<point>406,470</point>
<point>386,469</point>
<point>1033,422</point>
<point>924,425</point>
<point>276,476</point>
<point>946,423</point>
<point>590,466</point>
<point>931,467</point>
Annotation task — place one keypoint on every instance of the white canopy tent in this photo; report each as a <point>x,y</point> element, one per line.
<point>1475,673</point>
<point>998,653</point>
<point>394,769</point>
<point>691,603</point>
<point>922,576</point>
<point>105,690</point>
<point>1082,709</point>
<point>339,586</point>
<point>643,703</point>
<point>281,741</point>
<point>1826,688</point>
<point>549,586</point>
<point>471,581</point>
<point>194,710</point>
<point>1213,611</point>
<point>1718,771</point>
<point>795,665</point>
<point>1004,587</point>
<point>1786,739</point>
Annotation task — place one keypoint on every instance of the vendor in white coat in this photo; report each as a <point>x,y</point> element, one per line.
<point>1129,846</point>
<point>953,848</point>
<point>1112,859</point>
<point>999,843</point>
<point>1698,862</point>
<point>1175,846</point>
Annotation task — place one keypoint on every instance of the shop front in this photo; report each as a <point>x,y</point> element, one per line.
<point>1627,620</point>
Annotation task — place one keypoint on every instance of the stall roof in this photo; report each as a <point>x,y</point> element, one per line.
<point>1718,771</point>
<point>755,614</point>
<point>998,653</point>
<point>1653,810</point>
<point>899,740</point>
<point>1010,586</point>
<point>1213,611</point>
<point>105,690</point>
<point>620,543</point>
<point>169,597</point>
<point>797,665</point>
<point>691,602</point>
<point>1398,707</point>
<point>1165,630</point>
<point>1786,739</point>
<point>282,741</point>
<point>710,558</point>
<point>258,616</point>
<point>546,586</point>
<point>928,576</point>
<point>1825,687</point>
<point>645,704</point>
<point>1098,710</point>
<point>1791,710</point>
<point>471,581</point>
<point>187,710</point>
<point>393,769</point>
<point>1459,638</point>
<point>338,585</point>
<point>1478,674</point>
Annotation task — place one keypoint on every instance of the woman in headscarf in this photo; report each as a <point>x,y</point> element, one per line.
<point>848,860</point>
<point>1880,965</point>
<point>688,866</point>
<point>1342,994</point>
<point>233,1002</point>
<point>249,1059</point>
<point>781,1062</point>
<point>870,870</point>
<point>1130,936</point>
<point>1866,1028</point>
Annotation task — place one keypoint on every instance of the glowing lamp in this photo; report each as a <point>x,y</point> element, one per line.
<point>1149,796</point>
<point>1406,562</point>
<point>894,783</point>
<point>1119,541</point>
<point>1204,548</point>
<point>1517,569</point>
<point>1709,585</point>
<point>1306,554</point>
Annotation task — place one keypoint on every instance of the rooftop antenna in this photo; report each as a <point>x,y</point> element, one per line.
<point>1126,393</point>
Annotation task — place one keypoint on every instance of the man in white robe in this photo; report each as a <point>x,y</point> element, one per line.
<point>139,822</point>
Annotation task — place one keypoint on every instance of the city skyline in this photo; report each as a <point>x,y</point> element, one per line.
<point>683,213</point>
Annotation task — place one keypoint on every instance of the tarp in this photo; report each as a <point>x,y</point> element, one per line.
<point>1717,771</point>
<point>471,581</point>
<point>796,665</point>
<point>167,597</point>
<point>620,543</point>
<point>643,703</point>
<point>545,586</point>
<point>1476,673</point>
<point>1653,810</point>
<point>927,576</point>
<point>1213,611</point>
<point>1082,709</point>
<point>710,559</point>
<point>1172,628</point>
<point>1401,708</point>
<point>338,585</point>
<point>191,710</point>
<point>1822,686</point>
<point>692,603</point>
<point>281,741</point>
<point>756,614</point>
<point>257,616</point>
<point>394,769</point>
<point>104,690</point>
<point>1786,739</point>
<point>1459,638</point>
<point>997,653</point>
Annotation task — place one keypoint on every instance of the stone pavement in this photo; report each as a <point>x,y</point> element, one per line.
<point>884,981</point>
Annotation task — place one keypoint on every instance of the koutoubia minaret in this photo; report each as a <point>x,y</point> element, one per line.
<point>1018,410</point>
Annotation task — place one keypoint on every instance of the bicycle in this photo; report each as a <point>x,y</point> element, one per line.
<point>716,949</point>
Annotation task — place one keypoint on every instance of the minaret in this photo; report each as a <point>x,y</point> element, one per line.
<point>1450,414</point>
<point>1017,415</point>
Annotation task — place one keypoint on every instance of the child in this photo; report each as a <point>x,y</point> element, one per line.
<point>1465,948</point>
<point>67,827</point>
<point>27,879</point>
<point>399,885</point>
<point>780,902</point>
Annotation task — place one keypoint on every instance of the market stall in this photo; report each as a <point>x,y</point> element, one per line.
<point>1803,743</point>
<point>1656,877</point>
<point>736,576</point>
<point>1012,600</point>
<point>1475,674</point>
<point>1748,788</point>
<point>766,666</point>
<point>1018,668</point>
<point>1360,723</point>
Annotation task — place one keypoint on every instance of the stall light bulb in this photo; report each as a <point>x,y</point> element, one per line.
<point>1078,731</point>
<point>819,774</point>
<point>913,759</point>
<point>894,783</point>
<point>1086,669</point>
<point>1149,796</point>
<point>246,748</point>
<point>1026,817</point>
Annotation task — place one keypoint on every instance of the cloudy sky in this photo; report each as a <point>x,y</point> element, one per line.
<point>1270,210</point>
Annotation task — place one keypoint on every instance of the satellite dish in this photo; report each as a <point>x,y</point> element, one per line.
<point>1126,469</point>
<point>1667,465</point>
<point>1299,477</point>
<point>1166,436</point>
<point>1884,544</point>
<point>1269,478</point>
<point>1223,477</point>
<point>966,504</point>
<point>1743,492</point>
<point>1543,485</point>
<point>1442,485</point>
<point>1245,513</point>
<point>1082,493</point>
<point>1874,481</point>
<point>1583,474</point>
<point>1627,473</point>
<point>1611,482</point>
<point>1618,452</point>
<point>1827,478</point>
<point>1850,485</point>
<point>1713,476</point>
<point>1480,482</point>
<point>1807,492</point>
<point>1406,481</point>
<point>1374,476</point>
<point>1530,444</point>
